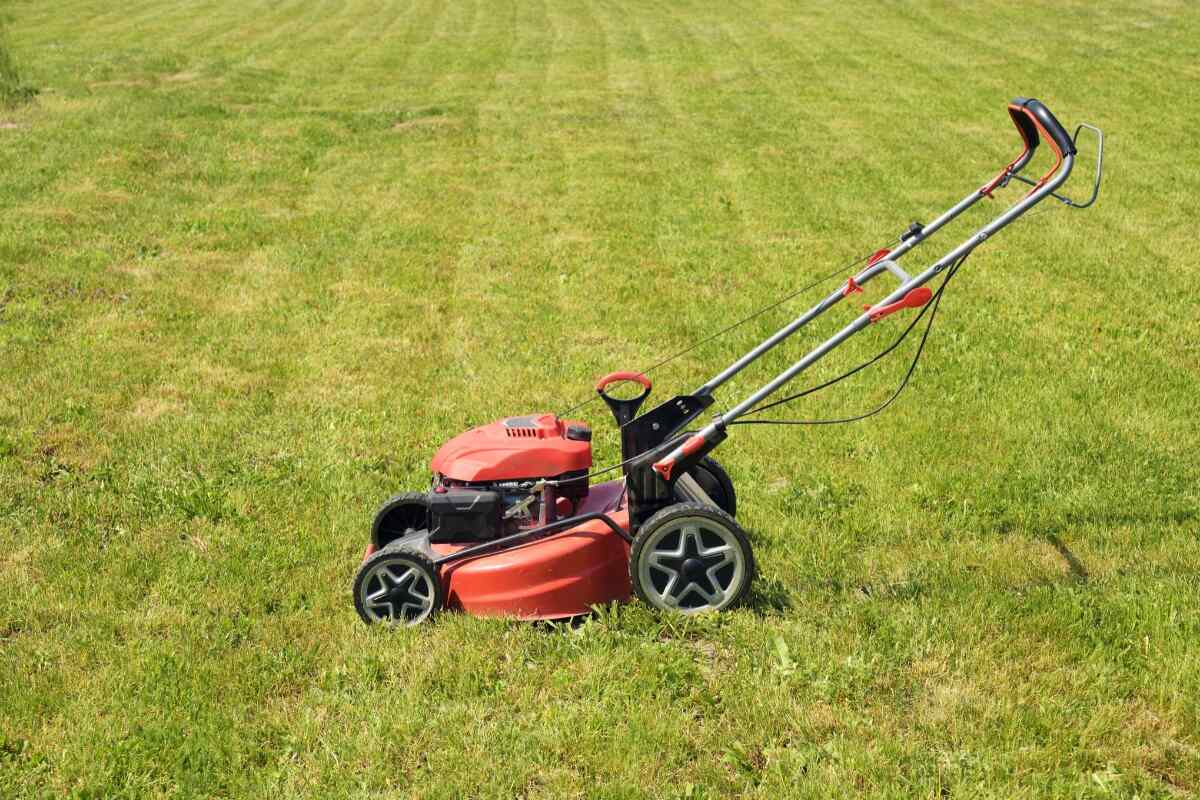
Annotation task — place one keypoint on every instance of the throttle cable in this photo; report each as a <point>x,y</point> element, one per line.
<point>931,308</point>
<point>836,273</point>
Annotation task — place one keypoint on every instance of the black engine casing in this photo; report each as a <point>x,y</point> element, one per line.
<point>465,516</point>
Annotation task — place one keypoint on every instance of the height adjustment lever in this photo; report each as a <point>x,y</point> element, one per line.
<point>914,299</point>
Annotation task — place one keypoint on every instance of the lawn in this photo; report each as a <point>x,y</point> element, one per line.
<point>258,259</point>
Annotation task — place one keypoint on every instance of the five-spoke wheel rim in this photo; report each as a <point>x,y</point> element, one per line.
<point>692,564</point>
<point>397,590</point>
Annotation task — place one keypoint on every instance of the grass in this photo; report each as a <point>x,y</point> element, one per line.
<point>13,91</point>
<point>258,259</point>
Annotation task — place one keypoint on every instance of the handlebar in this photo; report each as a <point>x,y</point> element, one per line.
<point>1031,116</point>
<point>1035,122</point>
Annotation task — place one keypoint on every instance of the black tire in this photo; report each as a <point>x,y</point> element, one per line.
<point>689,558</point>
<point>716,483</point>
<point>400,515</point>
<point>398,585</point>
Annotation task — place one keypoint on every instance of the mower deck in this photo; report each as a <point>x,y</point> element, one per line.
<point>562,575</point>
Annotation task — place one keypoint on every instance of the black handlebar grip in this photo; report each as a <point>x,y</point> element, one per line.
<point>1048,121</point>
<point>1024,125</point>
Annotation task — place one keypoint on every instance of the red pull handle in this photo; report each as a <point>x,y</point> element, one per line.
<point>914,299</point>
<point>614,377</point>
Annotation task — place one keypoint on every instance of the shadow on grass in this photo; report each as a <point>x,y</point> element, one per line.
<point>1078,570</point>
<point>768,596</point>
<point>1076,566</point>
<point>12,91</point>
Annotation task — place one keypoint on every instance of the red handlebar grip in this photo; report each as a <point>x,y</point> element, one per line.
<point>690,447</point>
<point>614,377</point>
<point>693,444</point>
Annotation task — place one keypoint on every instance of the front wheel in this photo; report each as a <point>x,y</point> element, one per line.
<point>690,558</point>
<point>398,584</point>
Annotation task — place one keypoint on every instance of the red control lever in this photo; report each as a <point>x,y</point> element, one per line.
<point>852,285</point>
<point>664,468</point>
<point>878,255</point>
<point>914,299</point>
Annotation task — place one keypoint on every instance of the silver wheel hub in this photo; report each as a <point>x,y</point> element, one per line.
<point>692,564</point>
<point>397,590</point>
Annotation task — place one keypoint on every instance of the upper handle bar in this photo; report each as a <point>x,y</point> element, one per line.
<point>1099,169</point>
<point>1031,116</point>
<point>1036,123</point>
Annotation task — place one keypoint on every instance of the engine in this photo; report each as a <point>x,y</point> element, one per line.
<point>486,482</point>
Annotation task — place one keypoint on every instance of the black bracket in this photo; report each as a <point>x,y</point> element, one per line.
<point>914,230</point>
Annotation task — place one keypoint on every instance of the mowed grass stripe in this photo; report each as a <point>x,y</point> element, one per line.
<point>258,260</point>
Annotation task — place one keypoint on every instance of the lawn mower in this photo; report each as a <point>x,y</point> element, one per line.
<point>512,524</point>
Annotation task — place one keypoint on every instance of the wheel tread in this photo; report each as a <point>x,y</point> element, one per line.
<point>686,509</point>
<point>418,557</point>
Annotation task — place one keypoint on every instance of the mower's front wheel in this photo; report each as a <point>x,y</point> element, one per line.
<point>690,558</point>
<point>398,584</point>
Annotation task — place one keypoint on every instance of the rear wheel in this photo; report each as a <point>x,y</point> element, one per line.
<point>690,558</point>
<point>397,585</point>
<point>401,514</point>
<point>716,483</point>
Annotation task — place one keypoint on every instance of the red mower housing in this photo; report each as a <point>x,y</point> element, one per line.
<point>506,465</point>
<point>563,575</point>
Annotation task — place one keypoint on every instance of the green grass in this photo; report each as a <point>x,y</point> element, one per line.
<point>13,91</point>
<point>257,259</point>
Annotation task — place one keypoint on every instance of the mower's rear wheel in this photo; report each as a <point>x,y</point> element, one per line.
<point>401,514</point>
<point>716,483</point>
<point>690,558</point>
<point>398,585</point>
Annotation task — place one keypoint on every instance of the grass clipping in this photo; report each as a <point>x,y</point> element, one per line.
<point>12,91</point>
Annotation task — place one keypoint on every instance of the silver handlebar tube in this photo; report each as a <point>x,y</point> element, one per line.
<point>861,278</point>
<point>864,320</point>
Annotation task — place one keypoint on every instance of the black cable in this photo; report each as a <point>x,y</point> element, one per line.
<point>590,475</point>
<point>844,375</point>
<point>931,307</point>
<point>839,271</point>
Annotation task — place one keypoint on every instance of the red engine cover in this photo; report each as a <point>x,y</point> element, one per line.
<point>535,446</point>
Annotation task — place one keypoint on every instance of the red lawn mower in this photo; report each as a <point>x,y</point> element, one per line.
<point>513,526</point>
